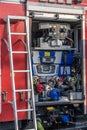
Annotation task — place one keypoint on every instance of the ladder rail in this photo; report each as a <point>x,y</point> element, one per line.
<point>12,73</point>
<point>29,62</point>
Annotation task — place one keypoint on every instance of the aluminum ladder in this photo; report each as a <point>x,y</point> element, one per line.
<point>28,90</point>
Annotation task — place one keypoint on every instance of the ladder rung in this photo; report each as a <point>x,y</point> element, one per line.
<point>28,129</point>
<point>19,52</point>
<point>15,33</point>
<point>25,110</point>
<point>16,17</point>
<point>23,90</point>
<point>21,71</point>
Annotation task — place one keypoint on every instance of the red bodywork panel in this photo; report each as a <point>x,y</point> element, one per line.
<point>19,60</point>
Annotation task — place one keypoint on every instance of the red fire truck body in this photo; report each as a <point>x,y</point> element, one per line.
<point>28,9</point>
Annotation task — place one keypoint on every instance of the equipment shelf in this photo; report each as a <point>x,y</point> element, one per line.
<point>47,103</point>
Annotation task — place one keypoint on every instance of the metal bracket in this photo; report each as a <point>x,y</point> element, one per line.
<point>21,96</point>
<point>5,41</point>
<point>4,96</point>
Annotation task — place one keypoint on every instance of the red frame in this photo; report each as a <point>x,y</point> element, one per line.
<point>20,10</point>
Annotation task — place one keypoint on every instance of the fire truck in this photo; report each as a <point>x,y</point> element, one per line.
<point>43,73</point>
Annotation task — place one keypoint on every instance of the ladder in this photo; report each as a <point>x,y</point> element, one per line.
<point>28,90</point>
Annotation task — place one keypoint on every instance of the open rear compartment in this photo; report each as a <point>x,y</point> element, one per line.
<point>57,67</point>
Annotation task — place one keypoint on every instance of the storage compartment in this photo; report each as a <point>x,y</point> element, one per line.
<point>57,68</point>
